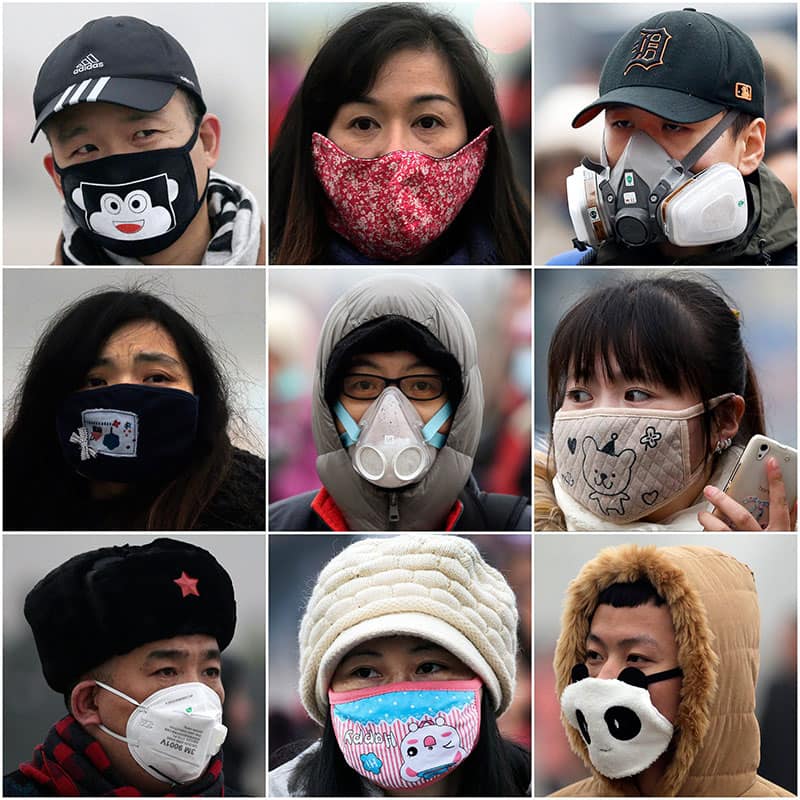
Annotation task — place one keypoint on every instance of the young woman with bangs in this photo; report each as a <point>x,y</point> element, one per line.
<point>652,397</point>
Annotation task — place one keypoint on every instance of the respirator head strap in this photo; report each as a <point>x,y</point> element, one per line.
<point>696,153</point>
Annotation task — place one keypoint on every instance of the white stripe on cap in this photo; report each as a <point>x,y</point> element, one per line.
<point>76,95</point>
<point>98,87</point>
<point>60,103</point>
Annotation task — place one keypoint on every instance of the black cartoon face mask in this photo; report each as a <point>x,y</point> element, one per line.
<point>134,204</point>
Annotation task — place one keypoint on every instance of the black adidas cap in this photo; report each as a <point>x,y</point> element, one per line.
<point>121,60</point>
<point>684,66</point>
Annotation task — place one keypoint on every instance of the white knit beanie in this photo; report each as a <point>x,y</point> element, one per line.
<point>436,587</point>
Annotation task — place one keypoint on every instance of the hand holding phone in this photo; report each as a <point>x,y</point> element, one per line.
<point>755,487</point>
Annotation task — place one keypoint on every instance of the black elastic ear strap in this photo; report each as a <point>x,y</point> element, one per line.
<point>675,672</point>
<point>694,155</point>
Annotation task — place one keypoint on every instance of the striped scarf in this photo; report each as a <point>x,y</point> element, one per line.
<point>71,763</point>
<point>235,231</point>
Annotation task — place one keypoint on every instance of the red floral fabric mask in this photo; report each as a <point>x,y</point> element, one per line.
<point>392,206</point>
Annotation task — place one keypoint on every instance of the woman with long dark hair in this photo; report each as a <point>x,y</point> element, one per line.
<point>121,422</point>
<point>407,657</point>
<point>393,151</point>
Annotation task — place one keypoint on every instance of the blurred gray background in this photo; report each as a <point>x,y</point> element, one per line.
<point>30,707</point>
<point>226,42</point>
<point>226,305</point>
<point>558,559</point>
<point>767,299</point>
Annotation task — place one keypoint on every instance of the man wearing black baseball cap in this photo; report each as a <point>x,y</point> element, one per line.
<point>682,179</point>
<point>132,149</point>
<point>131,636</point>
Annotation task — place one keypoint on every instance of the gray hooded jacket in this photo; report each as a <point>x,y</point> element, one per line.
<point>424,505</point>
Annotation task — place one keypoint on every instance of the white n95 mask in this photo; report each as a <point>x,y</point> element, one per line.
<point>622,464</point>
<point>391,446</point>
<point>624,732</point>
<point>649,196</point>
<point>173,734</point>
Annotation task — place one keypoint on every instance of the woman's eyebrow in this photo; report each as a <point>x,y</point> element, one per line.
<point>417,99</point>
<point>147,357</point>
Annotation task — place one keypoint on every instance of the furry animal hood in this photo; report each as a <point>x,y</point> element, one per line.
<point>712,599</point>
<point>423,505</point>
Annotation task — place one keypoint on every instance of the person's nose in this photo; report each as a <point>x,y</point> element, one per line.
<point>610,669</point>
<point>398,137</point>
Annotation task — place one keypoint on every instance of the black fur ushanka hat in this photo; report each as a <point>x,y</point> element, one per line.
<point>110,601</point>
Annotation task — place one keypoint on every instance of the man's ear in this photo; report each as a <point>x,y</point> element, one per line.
<point>83,702</point>
<point>209,137</point>
<point>50,168</point>
<point>750,145</point>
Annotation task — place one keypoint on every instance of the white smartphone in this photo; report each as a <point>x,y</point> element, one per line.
<point>748,482</point>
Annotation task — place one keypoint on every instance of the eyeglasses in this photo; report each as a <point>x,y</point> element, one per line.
<point>361,386</point>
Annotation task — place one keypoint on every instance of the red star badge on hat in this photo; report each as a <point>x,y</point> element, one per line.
<point>188,584</point>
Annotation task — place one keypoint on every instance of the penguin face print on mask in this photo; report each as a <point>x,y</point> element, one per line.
<point>129,211</point>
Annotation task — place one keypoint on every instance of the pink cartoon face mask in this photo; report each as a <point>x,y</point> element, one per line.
<point>393,206</point>
<point>405,735</point>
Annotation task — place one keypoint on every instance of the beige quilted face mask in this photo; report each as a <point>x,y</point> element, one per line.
<point>623,464</point>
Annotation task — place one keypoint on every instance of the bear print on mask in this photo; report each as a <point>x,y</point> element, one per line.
<point>129,211</point>
<point>430,750</point>
<point>607,473</point>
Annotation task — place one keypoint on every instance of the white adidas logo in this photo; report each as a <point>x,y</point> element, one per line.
<point>89,62</point>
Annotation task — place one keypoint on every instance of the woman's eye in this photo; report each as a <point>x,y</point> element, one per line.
<point>579,395</point>
<point>637,395</point>
<point>363,123</point>
<point>429,667</point>
<point>158,378</point>
<point>428,123</point>
<point>364,672</point>
<point>622,123</point>
<point>637,659</point>
<point>94,381</point>
<point>673,128</point>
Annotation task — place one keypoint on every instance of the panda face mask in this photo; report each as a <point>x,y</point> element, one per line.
<point>624,732</point>
<point>134,204</point>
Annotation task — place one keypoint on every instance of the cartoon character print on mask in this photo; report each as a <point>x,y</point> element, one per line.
<point>129,211</point>
<point>607,473</point>
<point>404,735</point>
<point>111,432</point>
<point>430,750</point>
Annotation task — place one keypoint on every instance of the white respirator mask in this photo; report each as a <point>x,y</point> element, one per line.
<point>624,732</point>
<point>173,734</point>
<point>648,197</point>
<point>391,446</point>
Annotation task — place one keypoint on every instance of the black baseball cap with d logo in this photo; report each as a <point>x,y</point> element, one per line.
<point>121,60</point>
<point>684,66</point>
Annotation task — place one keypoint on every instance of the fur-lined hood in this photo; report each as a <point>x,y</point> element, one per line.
<point>714,606</point>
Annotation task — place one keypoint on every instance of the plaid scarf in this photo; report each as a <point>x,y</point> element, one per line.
<point>71,763</point>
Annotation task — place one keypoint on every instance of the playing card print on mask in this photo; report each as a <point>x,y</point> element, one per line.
<point>129,211</point>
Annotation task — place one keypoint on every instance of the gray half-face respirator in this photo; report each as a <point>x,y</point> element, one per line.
<point>390,446</point>
<point>647,196</point>
<point>624,732</point>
